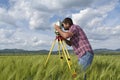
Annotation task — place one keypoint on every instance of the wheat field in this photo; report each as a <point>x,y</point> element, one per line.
<point>31,67</point>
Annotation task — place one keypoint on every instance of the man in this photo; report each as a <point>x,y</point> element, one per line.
<point>78,41</point>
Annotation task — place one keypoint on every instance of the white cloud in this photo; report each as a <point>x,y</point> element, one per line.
<point>37,13</point>
<point>6,18</point>
<point>18,22</point>
<point>23,39</point>
<point>20,10</point>
<point>89,17</point>
<point>54,5</point>
<point>43,10</point>
<point>111,43</point>
<point>5,33</point>
<point>39,20</point>
<point>92,20</point>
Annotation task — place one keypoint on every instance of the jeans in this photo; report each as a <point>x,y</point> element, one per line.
<point>85,61</point>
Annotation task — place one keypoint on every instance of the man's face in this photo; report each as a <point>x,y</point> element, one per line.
<point>66,26</point>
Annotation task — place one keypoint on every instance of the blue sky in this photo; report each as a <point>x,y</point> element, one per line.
<point>28,24</point>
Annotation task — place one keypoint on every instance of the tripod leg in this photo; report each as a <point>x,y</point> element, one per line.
<point>68,56</point>
<point>65,56</point>
<point>60,54</point>
<point>53,44</point>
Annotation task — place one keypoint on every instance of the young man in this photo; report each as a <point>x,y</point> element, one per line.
<point>78,41</point>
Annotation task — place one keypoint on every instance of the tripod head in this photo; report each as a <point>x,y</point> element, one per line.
<point>58,23</point>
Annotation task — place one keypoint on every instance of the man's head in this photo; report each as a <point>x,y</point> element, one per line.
<point>67,23</point>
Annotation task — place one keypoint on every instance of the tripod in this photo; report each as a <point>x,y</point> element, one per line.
<point>62,44</point>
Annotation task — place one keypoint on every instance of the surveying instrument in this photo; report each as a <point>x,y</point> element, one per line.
<point>64,53</point>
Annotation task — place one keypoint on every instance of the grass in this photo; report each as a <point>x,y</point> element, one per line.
<point>33,68</point>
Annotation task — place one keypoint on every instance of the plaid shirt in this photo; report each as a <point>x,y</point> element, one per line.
<point>79,41</point>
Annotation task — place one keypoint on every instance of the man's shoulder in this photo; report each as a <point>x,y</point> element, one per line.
<point>74,26</point>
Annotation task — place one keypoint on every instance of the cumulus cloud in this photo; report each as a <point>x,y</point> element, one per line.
<point>55,5</point>
<point>19,20</point>
<point>8,39</point>
<point>6,18</point>
<point>104,33</point>
<point>88,17</point>
<point>92,19</point>
<point>5,33</point>
<point>19,38</point>
<point>44,10</point>
<point>39,20</point>
<point>36,14</point>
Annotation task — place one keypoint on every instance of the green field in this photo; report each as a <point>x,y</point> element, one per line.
<point>32,68</point>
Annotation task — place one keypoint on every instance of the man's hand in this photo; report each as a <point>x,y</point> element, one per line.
<point>56,27</point>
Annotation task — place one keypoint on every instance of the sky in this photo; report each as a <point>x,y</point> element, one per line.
<point>29,24</point>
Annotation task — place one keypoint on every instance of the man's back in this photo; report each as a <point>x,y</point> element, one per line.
<point>79,41</point>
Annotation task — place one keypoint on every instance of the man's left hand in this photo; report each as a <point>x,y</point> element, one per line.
<point>56,27</point>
